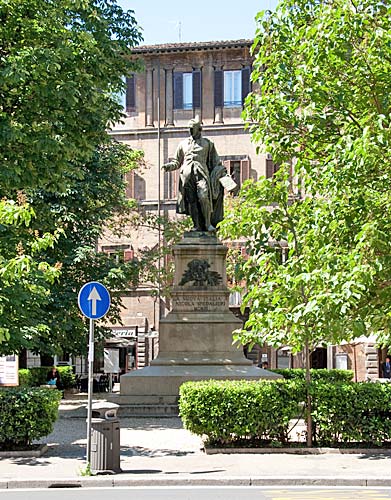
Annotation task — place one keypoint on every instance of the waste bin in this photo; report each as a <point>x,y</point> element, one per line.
<point>105,438</point>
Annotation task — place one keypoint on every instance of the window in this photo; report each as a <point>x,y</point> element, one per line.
<point>231,87</point>
<point>187,89</point>
<point>127,99</point>
<point>119,253</point>
<point>239,170</point>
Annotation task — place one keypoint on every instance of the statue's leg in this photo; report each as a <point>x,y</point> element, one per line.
<point>191,201</point>
<point>218,209</point>
<point>204,200</point>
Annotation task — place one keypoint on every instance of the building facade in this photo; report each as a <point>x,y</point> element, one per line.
<point>181,81</point>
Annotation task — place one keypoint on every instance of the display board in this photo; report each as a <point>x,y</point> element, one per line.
<point>9,375</point>
<point>111,361</point>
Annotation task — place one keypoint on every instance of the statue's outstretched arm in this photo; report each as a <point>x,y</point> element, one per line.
<point>176,162</point>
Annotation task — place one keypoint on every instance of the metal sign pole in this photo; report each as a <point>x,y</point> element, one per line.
<point>94,302</point>
<point>90,387</point>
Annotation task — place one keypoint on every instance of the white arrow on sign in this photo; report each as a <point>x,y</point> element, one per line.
<point>94,296</point>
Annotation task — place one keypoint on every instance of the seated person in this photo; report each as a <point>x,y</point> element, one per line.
<point>53,378</point>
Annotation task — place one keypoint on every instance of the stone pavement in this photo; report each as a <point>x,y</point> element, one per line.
<point>158,451</point>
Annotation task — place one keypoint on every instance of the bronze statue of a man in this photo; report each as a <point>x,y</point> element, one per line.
<point>200,192</point>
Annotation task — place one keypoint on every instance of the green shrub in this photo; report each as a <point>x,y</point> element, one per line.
<point>38,376</point>
<point>68,378</point>
<point>316,374</point>
<point>248,413</point>
<point>351,413</point>
<point>25,379</point>
<point>26,414</point>
<point>241,412</point>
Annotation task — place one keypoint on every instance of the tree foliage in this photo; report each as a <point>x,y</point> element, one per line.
<point>323,70</point>
<point>88,209</point>
<point>61,65</point>
<point>323,112</point>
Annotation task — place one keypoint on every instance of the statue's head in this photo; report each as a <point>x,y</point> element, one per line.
<point>195,127</point>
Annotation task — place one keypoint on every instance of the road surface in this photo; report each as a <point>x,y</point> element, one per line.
<point>197,493</point>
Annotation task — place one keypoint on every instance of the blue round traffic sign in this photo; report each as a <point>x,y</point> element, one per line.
<point>94,300</point>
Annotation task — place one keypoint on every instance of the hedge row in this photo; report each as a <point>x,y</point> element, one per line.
<point>352,413</point>
<point>323,374</point>
<point>240,411</point>
<point>36,376</point>
<point>26,414</point>
<point>255,413</point>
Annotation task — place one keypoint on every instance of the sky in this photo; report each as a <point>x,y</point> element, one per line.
<point>168,21</point>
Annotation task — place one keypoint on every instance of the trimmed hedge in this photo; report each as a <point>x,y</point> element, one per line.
<point>26,414</point>
<point>38,374</point>
<point>25,378</point>
<point>323,374</point>
<point>241,412</point>
<point>245,413</point>
<point>351,413</point>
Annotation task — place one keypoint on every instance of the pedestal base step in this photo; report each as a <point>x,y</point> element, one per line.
<point>146,410</point>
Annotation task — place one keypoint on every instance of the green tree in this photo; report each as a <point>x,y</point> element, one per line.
<point>85,211</point>
<point>323,70</point>
<point>61,65</point>
<point>24,276</point>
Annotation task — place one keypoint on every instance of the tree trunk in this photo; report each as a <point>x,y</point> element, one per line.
<point>308,385</point>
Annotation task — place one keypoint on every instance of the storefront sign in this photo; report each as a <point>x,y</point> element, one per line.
<point>125,332</point>
<point>9,375</point>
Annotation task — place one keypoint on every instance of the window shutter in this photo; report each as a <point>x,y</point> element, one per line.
<point>245,83</point>
<point>271,168</point>
<point>178,90</point>
<point>128,255</point>
<point>174,183</point>
<point>227,165</point>
<point>219,88</point>
<point>171,182</point>
<point>244,171</point>
<point>197,88</point>
<point>166,185</point>
<point>130,184</point>
<point>130,93</point>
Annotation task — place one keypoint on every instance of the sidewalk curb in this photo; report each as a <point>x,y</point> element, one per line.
<point>186,480</point>
<point>298,451</point>
<point>40,450</point>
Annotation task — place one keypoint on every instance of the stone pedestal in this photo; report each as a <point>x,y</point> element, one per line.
<point>195,338</point>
